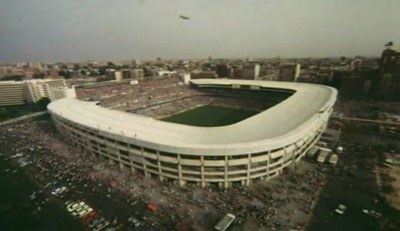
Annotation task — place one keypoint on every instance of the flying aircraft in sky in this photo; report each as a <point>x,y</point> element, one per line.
<point>184,17</point>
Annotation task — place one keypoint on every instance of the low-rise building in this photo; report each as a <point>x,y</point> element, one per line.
<point>12,93</point>
<point>389,76</point>
<point>251,71</point>
<point>289,72</point>
<point>138,74</point>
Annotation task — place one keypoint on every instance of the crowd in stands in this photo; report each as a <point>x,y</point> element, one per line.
<point>173,106</point>
<point>125,96</point>
<point>160,98</point>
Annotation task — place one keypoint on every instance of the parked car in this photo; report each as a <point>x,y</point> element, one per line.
<point>152,207</point>
<point>73,206</point>
<point>372,213</point>
<point>96,222</point>
<point>101,225</point>
<point>59,191</point>
<point>110,229</point>
<point>89,217</point>
<point>84,211</point>
<point>134,221</point>
<point>340,209</point>
<point>81,210</point>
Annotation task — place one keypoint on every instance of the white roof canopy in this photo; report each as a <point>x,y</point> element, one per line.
<point>278,126</point>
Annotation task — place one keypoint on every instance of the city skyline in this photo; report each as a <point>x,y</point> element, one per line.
<point>58,31</point>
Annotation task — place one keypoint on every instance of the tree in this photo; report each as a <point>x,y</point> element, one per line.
<point>389,44</point>
<point>38,75</point>
<point>42,103</point>
<point>65,73</point>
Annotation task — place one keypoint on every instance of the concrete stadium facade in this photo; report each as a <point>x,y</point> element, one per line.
<point>255,149</point>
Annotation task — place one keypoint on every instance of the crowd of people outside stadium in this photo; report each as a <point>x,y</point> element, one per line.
<point>282,203</point>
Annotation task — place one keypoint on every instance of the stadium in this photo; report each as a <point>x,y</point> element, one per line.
<point>128,124</point>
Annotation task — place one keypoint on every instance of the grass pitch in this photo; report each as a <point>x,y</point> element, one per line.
<point>211,116</point>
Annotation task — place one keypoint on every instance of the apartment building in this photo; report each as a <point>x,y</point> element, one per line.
<point>12,93</point>
<point>20,92</point>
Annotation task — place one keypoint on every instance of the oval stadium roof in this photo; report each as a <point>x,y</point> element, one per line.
<point>280,125</point>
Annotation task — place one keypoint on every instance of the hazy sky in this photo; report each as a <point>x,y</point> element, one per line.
<point>78,30</point>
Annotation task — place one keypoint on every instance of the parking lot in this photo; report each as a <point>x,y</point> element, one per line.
<point>353,184</point>
<point>19,212</point>
<point>64,180</point>
<point>285,202</point>
<point>125,200</point>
